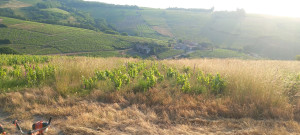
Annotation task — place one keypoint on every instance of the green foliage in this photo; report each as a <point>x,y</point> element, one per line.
<point>222,28</point>
<point>111,32</point>
<point>219,53</point>
<point>218,85</point>
<point>171,72</point>
<point>150,77</point>
<point>35,75</point>
<point>142,86</point>
<point>117,77</point>
<point>124,34</point>
<point>40,38</point>
<point>3,26</point>
<point>23,59</point>
<point>31,75</point>
<point>183,81</point>
<point>132,70</point>
<point>5,41</point>
<point>101,75</point>
<point>121,76</point>
<point>215,84</point>
<point>89,83</point>
<point>7,50</point>
<point>101,54</point>
<point>16,72</point>
<point>169,53</point>
<point>186,69</point>
<point>132,75</point>
<point>3,73</point>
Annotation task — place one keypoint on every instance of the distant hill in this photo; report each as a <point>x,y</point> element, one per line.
<point>256,35</point>
<point>39,38</point>
<point>266,36</point>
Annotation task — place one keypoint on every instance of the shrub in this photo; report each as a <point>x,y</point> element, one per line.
<point>3,26</point>
<point>111,32</point>
<point>5,41</point>
<point>124,34</point>
<point>7,50</point>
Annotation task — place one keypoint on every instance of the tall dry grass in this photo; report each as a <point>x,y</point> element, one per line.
<point>255,88</point>
<point>70,70</point>
<point>259,89</point>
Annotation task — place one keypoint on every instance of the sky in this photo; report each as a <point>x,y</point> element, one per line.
<point>289,8</point>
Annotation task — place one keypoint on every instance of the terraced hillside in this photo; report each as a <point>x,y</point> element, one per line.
<point>38,38</point>
<point>267,36</point>
<point>258,35</point>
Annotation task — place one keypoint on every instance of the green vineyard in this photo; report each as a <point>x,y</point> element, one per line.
<point>37,38</point>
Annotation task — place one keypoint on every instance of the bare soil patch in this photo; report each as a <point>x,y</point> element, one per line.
<point>163,31</point>
<point>15,4</point>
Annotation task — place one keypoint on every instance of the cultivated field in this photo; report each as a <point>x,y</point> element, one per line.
<point>132,96</point>
<point>38,38</point>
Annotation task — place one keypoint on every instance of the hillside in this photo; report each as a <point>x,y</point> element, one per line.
<point>255,35</point>
<point>38,38</point>
<point>272,37</point>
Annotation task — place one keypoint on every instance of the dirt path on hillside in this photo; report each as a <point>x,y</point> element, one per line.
<point>1,20</point>
<point>14,4</point>
<point>68,54</point>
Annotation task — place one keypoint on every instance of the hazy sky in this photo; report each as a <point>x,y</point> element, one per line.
<point>289,8</point>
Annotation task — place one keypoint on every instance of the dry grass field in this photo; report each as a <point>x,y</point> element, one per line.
<point>260,97</point>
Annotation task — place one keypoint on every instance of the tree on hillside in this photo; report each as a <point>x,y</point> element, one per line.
<point>8,50</point>
<point>3,26</point>
<point>5,41</point>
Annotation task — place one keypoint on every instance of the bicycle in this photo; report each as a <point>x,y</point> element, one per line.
<point>38,128</point>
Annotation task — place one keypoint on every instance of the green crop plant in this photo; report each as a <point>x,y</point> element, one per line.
<point>152,80</point>
<point>186,87</point>
<point>183,81</point>
<point>16,72</point>
<point>204,79</point>
<point>157,73</point>
<point>89,83</point>
<point>186,69</point>
<point>101,75</point>
<point>150,77</point>
<point>108,73</point>
<point>171,72</point>
<point>35,75</point>
<point>125,79</point>
<point>133,70</point>
<point>141,66</point>
<point>2,73</point>
<point>218,84</point>
<point>22,59</point>
<point>116,76</point>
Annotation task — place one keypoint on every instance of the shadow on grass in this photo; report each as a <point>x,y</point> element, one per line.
<point>9,85</point>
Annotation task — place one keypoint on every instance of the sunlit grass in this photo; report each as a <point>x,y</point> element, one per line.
<point>256,89</point>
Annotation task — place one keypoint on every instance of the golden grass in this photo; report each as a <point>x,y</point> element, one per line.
<point>70,70</point>
<point>260,96</point>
